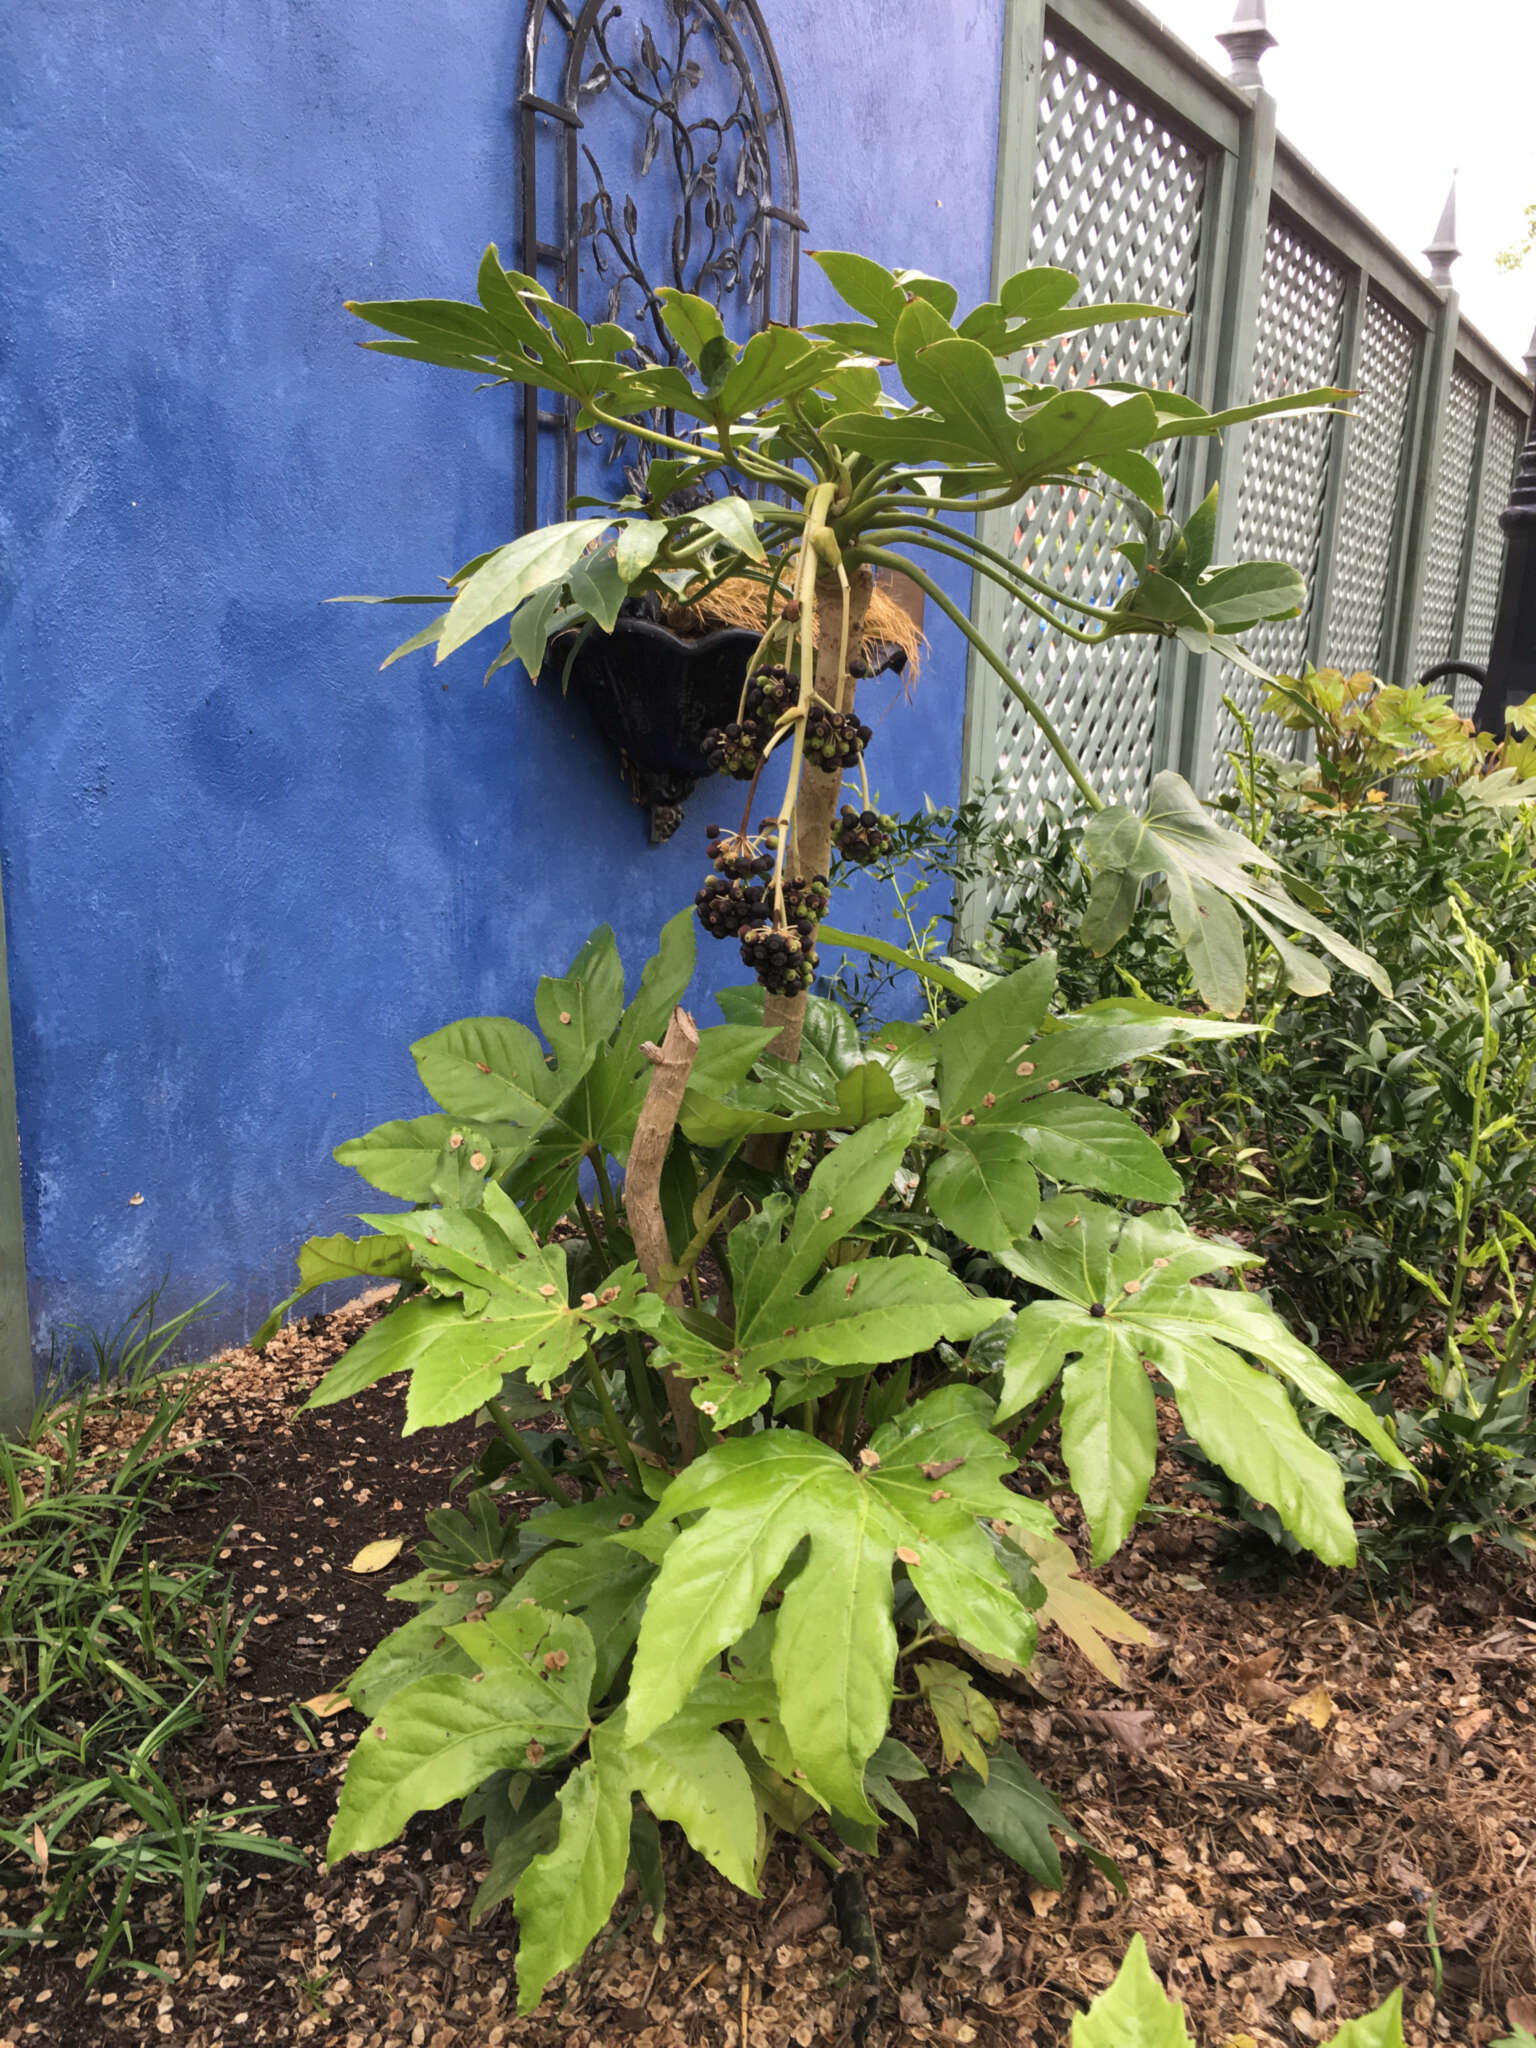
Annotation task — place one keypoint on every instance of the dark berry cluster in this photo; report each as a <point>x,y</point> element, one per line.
<point>783,957</point>
<point>807,902</point>
<point>734,749</point>
<point>737,855</point>
<point>771,692</point>
<point>726,903</point>
<point>737,748</point>
<point>834,740</point>
<point>863,836</point>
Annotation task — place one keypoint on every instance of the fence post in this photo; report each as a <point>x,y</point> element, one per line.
<point>17,1396</point>
<point>1429,443</point>
<point>1236,344</point>
<point>1023,59</point>
<point>1512,660</point>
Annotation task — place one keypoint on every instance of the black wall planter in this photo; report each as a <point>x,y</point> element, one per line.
<point>653,695</point>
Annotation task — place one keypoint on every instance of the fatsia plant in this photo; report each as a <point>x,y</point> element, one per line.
<point>833,452</point>
<point>708,1289</point>
<point>764,1422</point>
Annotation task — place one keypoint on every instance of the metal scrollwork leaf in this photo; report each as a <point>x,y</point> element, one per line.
<point>672,186</point>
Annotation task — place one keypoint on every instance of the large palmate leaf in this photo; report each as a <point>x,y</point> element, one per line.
<point>323,1259</point>
<point>529,1116</point>
<point>407,1157</point>
<point>833,1085</point>
<point>870,1312</point>
<point>1125,1302</point>
<point>1135,2012</point>
<point>564,1897</point>
<point>686,1771</point>
<point>758,1500</point>
<point>496,1303</point>
<point>439,1737</point>
<point>995,1136</point>
<point>1205,868</point>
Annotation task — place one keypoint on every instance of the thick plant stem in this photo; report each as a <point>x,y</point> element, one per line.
<point>837,629</point>
<point>672,1063</point>
<point>539,1474</point>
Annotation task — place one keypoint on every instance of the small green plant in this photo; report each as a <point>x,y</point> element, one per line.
<point>105,1654</point>
<point>1135,2012</point>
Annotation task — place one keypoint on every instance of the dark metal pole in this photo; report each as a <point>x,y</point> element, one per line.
<point>1512,662</point>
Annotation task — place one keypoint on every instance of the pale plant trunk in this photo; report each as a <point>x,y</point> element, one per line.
<point>819,792</point>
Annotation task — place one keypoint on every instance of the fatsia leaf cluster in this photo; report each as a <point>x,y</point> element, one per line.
<point>788,1310</point>
<point>758,1500</point>
<point>1119,1297</point>
<point>790,408</point>
<point>1213,877</point>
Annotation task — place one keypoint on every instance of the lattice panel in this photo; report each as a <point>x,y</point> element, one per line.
<point>1118,198</point>
<point>1499,458</point>
<point>1285,461</point>
<point>1372,510</point>
<point>1450,523</point>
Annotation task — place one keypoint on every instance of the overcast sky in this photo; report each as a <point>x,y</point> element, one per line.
<point>1387,98</point>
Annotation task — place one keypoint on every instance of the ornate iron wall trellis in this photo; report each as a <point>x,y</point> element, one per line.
<point>627,103</point>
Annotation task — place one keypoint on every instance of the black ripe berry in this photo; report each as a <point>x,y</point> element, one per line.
<point>769,695</point>
<point>807,901</point>
<point>1097,1308</point>
<point>863,836</point>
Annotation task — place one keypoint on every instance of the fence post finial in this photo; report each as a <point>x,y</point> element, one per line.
<point>1246,41</point>
<point>1443,250</point>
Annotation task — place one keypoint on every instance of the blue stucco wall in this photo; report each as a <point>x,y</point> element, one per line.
<point>242,868</point>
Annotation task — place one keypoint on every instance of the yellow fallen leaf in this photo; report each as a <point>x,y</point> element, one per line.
<point>374,1556</point>
<point>324,1704</point>
<point>1315,1706</point>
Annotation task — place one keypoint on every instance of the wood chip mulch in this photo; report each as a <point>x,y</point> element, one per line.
<point>1313,1799</point>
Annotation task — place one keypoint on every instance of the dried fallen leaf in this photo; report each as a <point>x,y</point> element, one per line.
<point>1319,1981</point>
<point>1315,1707</point>
<point>1470,1726</point>
<point>1252,1679</point>
<point>1082,1613</point>
<point>374,1556</point>
<point>40,1848</point>
<point>324,1704</point>
<point>1136,1729</point>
